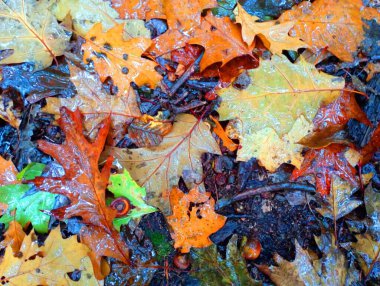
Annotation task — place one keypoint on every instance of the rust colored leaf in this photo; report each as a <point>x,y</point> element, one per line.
<point>13,237</point>
<point>120,59</point>
<point>147,131</point>
<point>332,118</point>
<point>227,142</point>
<point>335,24</point>
<point>323,164</point>
<point>372,146</point>
<point>139,9</point>
<point>193,219</point>
<point>85,186</point>
<point>8,172</point>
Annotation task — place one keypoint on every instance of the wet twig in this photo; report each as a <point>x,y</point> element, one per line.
<point>270,188</point>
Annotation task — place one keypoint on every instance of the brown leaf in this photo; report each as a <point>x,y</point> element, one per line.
<point>8,172</point>
<point>13,237</point>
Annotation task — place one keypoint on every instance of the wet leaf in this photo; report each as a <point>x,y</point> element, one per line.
<point>139,9</point>
<point>227,142</point>
<point>13,237</point>
<point>277,109</point>
<point>212,270</point>
<point>323,164</point>
<point>8,172</point>
<point>333,24</point>
<point>33,36</point>
<point>119,59</point>
<point>267,8</point>
<point>372,206</point>
<point>193,219</point>
<point>367,251</point>
<point>45,265</point>
<point>122,185</point>
<point>8,113</point>
<point>371,147</point>
<point>159,168</point>
<point>160,244</point>
<point>85,186</point>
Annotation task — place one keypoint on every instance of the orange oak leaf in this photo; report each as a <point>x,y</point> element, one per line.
<point>120,59</point>
<point>13,237</point>
<point>323,164</point>
<point>332,118</point>
<point>371,147</point>
<point>139,9</point>
<point>193,219</point>
<point>335,24</point>
<point>85,186</point>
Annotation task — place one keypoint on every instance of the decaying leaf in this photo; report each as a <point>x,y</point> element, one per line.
<point>212,270</point>
<point>331,270</point>
<point>24,204</point>
<point>122,185</point>
<point>139,9</point>
<point>277,109</point>
<point>13,237</point>
<point>159,168</point>
<point>120,59</point>
<point>193,219</point>
<point>372,206</point>
<point>45,265</point>
<point>218,130</point>
<point>33,36</point>
<point>96,104</point>
<point>371,147</point>
<point>274,35</point>
<point>367,250</point>
<point>85,186</point>
<point>8,172</point>
<point>8,113</point>
<point>323,164</point>
<point>333,24</point>
<point>339,201</point>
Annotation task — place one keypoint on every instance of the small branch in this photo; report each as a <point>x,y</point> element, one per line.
<point>270,188</point>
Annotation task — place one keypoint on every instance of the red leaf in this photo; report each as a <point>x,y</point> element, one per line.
<point>85,186</point>
<point>323,164</point>
<point>372,146</point>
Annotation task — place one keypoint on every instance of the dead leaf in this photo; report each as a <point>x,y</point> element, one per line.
<point>159,168</point>
<point>96,105</point>
<point>8,172</point>
<point>31,35</point>
<point>367,250</point>
<point>139,9</point>
<point>227,142</point>
<point>371,147</point>
<point>8,113</point>
<point>372,69</point>
<point>193,219</point>
<point>85,186</point>
<point>277,109</point>
<point>119,59</point>
<point>323,164</point>
<point>333,24</point>
<point>13,237</point>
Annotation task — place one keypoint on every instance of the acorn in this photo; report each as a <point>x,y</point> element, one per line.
<point>252,249</point>
<point>121,205</point>
<point>181,261</point>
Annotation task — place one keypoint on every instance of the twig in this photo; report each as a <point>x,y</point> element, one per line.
<point>270,188</point>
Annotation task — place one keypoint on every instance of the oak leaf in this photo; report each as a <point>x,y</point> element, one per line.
<point>85,186</point>
<point>333,24</point>
<point>45,265</point>
<point>31,35</point>
<point>277,108</point>
<point>119,59</point>
<point>96,105</point>
<point>139,9</point>
<point>13,237</point>
<point>159,168</point>
<point>274,35</point>
<point>193,219</point>
<point>323,164</point>
<point>367,251</point>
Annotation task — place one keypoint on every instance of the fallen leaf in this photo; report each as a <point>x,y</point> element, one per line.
<point>323,164</point>
<point>274,35</point>
<point>8,113</point>
<point>371,147</point>
<point>333,24</point>
<point>213,270</point>
<point>332,269</point>
<point>193,219</point>
<point>13,237</point>
<point>24,204</point>
<point>8,172</point>
<point>45,265</point>
<point>96,105</point>
<point>85,186</point>
<point>159,168</point>
<point>122,185</point>
<point>148,131</point>
<point>85,14</point>
<point>277,109</point>
<point>139,9</point>
<point>372,69</point>
<point>31,35</point>
<point>367,250</point>
<point>372,206</point>
<point>218,130</point>
<point>119,59</point>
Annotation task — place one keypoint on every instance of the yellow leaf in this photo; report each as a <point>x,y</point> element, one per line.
<point>159,168</point>
<point>33,35</point>
<point>277,109</point>
<point>273,34</point>
<point>45,265</point>
<point>13,237</point>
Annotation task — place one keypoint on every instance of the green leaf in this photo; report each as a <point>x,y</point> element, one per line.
<point>212,270</point>
<point>24,207</point>
<point>122,185</point>
<point>160,244</point>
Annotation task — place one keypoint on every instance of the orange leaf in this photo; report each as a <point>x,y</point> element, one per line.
<point>372,146</point>
<point>227,142</point>
<point>8,172</point>
<point>13,237</point>
<point>139,9</point>
<point>193,219</point>
<point>335,24</point>
<point>85,186</point>
<point>323,164</point>
<point>118,58</point>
